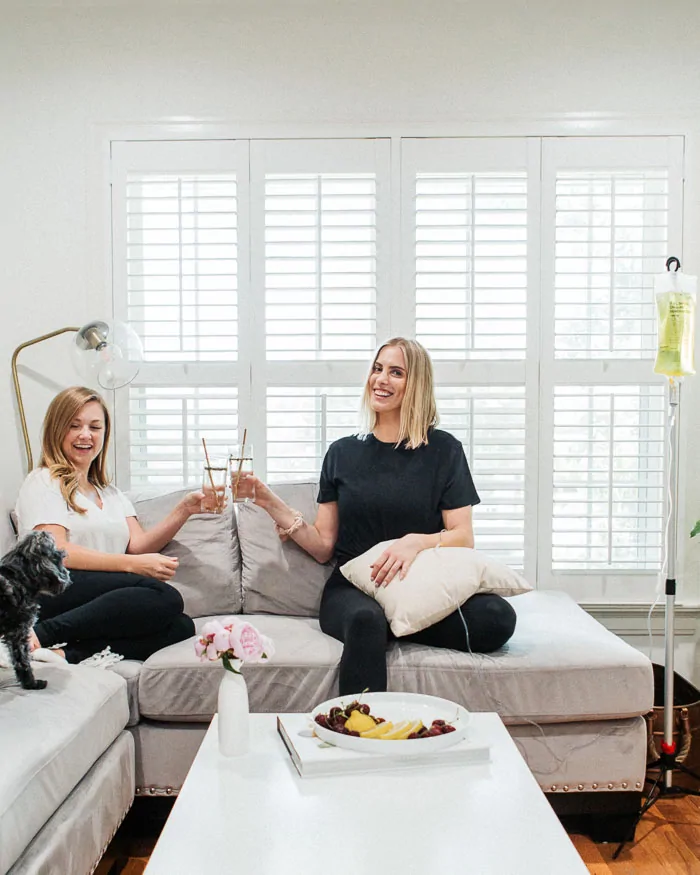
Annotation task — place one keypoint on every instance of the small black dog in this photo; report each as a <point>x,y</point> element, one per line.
<point>34,566</point>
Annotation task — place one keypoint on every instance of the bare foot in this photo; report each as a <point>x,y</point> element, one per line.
<point>34,643</point>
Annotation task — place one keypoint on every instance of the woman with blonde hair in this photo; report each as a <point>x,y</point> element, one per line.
<point>402,479</point>
<point>119,596</point>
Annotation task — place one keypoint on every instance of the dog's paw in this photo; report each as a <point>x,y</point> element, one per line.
<point>36,684</point>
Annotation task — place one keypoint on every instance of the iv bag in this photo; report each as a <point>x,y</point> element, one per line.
<point>675,309</point>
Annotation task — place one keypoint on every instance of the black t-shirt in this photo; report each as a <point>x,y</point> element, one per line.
<point>384,492</point>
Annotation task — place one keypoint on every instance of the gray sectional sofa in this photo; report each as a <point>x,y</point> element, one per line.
<point>66,769</point>
<point>571,693</point>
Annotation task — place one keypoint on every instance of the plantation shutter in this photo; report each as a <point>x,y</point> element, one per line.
<point>302,422</point>
<point>180,271</point>
<point>490,423</point>
<point>470,254</point>
<point>611,216</point>
<point>323,203</point>
<point>166,427</point>
<point>321,238</point>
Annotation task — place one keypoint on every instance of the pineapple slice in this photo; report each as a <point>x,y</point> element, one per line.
<point>359,722</point>
<point>402,730</point>
<point>379,730</point>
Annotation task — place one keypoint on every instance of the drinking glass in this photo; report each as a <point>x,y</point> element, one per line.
<point>241,462</point>
<point>214,483</point>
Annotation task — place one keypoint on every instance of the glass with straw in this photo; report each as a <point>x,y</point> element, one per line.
<point>214,481</point>
<point>241,461</point>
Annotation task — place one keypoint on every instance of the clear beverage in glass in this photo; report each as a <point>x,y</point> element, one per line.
<point>214,483</point>
<point>241,462</point>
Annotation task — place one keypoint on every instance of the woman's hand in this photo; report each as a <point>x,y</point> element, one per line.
<point>397,559</point>
<point>153,565</point>
<point>195,502</point>
<point>250,486</point>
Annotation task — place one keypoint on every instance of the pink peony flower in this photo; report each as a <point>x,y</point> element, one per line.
<point>233,640</point>
<point>221,640</point>
<point>247,642</point>
<point>211,628</point>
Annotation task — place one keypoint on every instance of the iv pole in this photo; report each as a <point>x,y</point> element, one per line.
<point>668,762</point>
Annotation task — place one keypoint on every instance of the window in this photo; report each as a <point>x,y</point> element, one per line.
<point>260,275</point>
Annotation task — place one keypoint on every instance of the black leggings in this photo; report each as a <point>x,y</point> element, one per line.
<point>357,620</point>
<point>133,615</point>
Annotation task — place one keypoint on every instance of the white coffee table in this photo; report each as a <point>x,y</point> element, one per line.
<point>255,814</point>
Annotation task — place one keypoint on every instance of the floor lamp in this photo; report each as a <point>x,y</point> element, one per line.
<point>676,343</point>
<point>109,353</point>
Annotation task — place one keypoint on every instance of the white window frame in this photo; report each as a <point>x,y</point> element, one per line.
<point>615,588</point>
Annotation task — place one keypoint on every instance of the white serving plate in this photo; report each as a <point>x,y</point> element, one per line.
<point>396,707</point>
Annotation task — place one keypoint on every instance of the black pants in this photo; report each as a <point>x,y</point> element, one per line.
<point>134,615</point>
<point>357,620</point>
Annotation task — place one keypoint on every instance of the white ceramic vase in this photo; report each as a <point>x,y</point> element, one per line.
<point>234,723</point>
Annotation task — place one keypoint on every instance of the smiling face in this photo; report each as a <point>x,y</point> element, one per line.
<point>387,382</point>
<point>84,439</point>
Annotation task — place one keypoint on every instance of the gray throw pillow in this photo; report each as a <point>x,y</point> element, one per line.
<point>209,573</point>
<point>279,577</point>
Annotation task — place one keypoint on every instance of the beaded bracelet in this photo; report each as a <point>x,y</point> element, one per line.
<point>297,523</point>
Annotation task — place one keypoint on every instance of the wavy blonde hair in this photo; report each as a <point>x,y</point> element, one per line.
<point>418,408</point>
<point>61,412</point>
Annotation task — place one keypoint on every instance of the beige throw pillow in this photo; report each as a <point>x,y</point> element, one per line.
<point>439,580</point>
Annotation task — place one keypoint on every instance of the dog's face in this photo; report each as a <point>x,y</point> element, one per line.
<point>39,562</point>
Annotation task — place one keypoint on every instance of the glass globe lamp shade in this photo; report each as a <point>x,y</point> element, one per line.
<point>107,352</point>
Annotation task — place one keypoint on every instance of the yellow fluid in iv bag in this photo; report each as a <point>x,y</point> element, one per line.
<point>675,306</point>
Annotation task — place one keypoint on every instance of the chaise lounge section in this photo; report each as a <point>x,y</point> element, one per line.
<point>66,769</point>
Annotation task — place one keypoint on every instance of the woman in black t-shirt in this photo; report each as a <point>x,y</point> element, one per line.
<point>402,479</point>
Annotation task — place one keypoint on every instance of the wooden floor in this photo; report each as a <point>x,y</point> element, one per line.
<point>667,843</point>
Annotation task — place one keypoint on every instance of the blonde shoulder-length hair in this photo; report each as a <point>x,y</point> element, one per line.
<point>61,412</point>
<point>418,409</point>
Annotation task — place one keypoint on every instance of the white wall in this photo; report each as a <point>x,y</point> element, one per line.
<point>67,68</point>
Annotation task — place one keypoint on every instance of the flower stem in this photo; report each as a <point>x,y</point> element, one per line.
<point>228,663</point>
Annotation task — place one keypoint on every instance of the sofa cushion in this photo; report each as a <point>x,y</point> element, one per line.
<point>176,686</point>
<point>130,670</point>
<point>279,577</point>
<point>560,665</point>
<point>209,573</point>
<point>49,740</point>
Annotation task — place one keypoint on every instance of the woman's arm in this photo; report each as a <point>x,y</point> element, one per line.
<point>318,539</point>
<point>85,559</point>
<point>154,539</point>
<point>398,558</point>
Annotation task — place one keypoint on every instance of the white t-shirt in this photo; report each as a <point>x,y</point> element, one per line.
<point>40,503</point>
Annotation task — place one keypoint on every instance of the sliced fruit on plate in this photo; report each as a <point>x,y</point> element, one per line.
<point>359,722</point>
<point>403,730</point>
<point>379,730</point>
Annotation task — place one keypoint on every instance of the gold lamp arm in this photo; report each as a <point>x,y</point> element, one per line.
<point>18,393</point>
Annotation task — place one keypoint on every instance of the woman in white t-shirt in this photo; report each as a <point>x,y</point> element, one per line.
<point>119,595</point>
